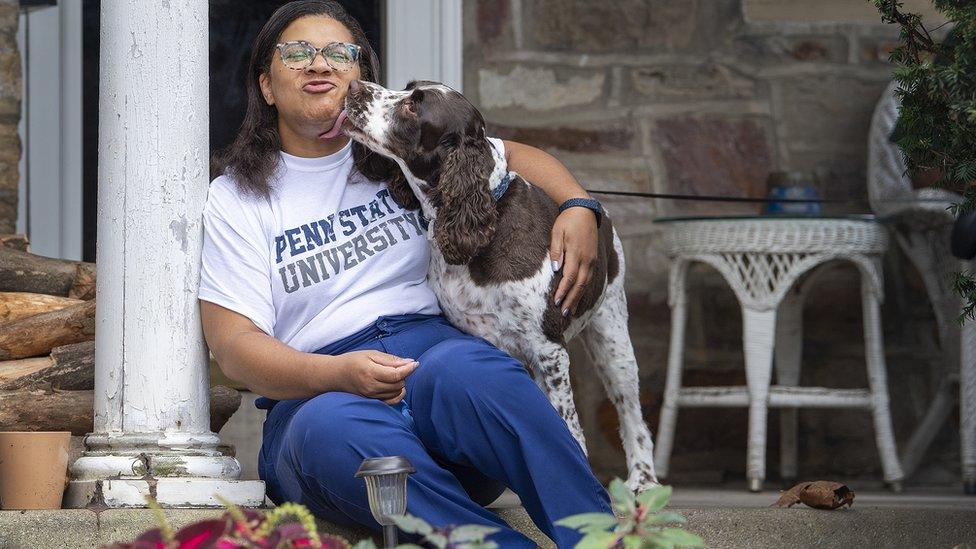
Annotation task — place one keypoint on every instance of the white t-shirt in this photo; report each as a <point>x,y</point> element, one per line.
<point>326,255</point>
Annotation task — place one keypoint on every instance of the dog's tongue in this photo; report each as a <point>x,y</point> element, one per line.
<point>336,128</point>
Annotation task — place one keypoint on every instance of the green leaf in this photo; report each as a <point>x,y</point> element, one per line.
<point>680,538</point>
<point>437,540</point>
<point>368,544</point>
<point>655,541</point>
<point>400,546</point>
<point>663,518</point>
<point>588,520</point>
<point>626,525</point>
<point>633,541</point>
<point>471,532</point>
<point>654,499</point>
<point>597,540</point>
<point>619,491</point>
<point>622,495</point>
<point>411,524</point>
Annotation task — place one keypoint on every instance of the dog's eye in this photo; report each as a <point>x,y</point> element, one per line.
<point>410,105</point>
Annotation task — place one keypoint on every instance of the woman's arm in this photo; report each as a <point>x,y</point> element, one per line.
<point>270,368</point>
<point>573,246</point>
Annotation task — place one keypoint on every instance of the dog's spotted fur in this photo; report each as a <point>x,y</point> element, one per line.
<point>490,264</point>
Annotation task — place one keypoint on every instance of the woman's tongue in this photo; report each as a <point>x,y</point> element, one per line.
<point>336,127</point>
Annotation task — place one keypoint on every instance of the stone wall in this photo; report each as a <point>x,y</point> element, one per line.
<point>692,96</point>
<point>10,91</point>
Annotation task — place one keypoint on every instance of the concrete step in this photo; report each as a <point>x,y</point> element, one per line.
<point>86,529</point>
<point>724,518</point>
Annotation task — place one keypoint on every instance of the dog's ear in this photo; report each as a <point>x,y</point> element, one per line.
<point>466,213</point>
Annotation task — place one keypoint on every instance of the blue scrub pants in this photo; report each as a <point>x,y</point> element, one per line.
<point>472,422</point>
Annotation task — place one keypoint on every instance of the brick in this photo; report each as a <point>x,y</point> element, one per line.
<point>877,50</point>
<point>10,82</point>
<point>538,88</point>
<point>610,178</point>
<point>827,111</point>
<point>784,49</point>
<point>582,140</point>
<point>9,145</point>
<point>8,219</point>
<point>8,212</point>
<point>830,11</point>
<point>494,19</point>
<point>699,81</point>
<point>9,20</point>
<point>713,157</point>
<point>584,26</point>
<point>628,25</point>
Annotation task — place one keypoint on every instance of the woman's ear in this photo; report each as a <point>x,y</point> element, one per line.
<point>466,213</point>
<point>264,81</point>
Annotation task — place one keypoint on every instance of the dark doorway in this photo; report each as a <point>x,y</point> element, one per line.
<point>233,26</point>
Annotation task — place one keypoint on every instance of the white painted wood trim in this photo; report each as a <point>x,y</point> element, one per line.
<point>423,40</point>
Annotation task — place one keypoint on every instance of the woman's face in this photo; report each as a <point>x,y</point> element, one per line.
<point>309,100</point>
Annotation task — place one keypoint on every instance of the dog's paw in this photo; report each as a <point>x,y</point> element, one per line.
<point>640,480</point>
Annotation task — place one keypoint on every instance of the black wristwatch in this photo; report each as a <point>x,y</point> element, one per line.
<point>588,203</point>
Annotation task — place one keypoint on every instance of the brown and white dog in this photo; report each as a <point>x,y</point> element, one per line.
<point>490,264</point>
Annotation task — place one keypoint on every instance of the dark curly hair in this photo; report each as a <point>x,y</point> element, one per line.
<point>253,156</point>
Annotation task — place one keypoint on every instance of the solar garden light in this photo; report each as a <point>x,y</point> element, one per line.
<point>386,488</point>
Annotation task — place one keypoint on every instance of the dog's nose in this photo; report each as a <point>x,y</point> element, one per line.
<point>354,86</point>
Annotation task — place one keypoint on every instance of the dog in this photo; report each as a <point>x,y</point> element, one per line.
<point>490,266</point>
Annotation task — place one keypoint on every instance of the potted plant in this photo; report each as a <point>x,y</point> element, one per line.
<point>936,128</point>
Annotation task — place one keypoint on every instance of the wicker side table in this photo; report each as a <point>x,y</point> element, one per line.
<point>762,258</point>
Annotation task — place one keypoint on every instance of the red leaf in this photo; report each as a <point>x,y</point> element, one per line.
<point>201,534</point>
<point>154,535</point>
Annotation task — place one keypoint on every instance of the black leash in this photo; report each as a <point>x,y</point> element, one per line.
<point>707,198</point>
<point>710,198</point>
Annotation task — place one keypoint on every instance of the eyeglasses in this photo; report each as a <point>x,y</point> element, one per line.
<point>299,54</point>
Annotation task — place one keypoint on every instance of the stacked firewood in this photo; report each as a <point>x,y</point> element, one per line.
<point>47,344</point>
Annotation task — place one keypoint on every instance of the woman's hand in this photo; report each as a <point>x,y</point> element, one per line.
<point>574,250</point>
<point>373,374</point>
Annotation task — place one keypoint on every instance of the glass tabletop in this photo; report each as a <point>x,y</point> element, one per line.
<point>769,217</point>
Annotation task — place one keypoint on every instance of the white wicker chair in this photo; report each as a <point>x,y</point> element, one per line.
<point>921,224</point>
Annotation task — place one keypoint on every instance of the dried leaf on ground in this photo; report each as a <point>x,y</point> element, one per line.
<point>820,494</point>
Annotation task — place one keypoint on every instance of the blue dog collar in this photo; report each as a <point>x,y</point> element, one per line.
<point>499,191</point>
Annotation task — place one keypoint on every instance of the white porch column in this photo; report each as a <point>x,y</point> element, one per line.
<point>152,422</point>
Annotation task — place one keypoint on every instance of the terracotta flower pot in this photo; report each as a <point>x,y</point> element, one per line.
<point>33,469</point>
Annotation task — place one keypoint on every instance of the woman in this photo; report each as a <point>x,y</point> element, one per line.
<point>313,293</point>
